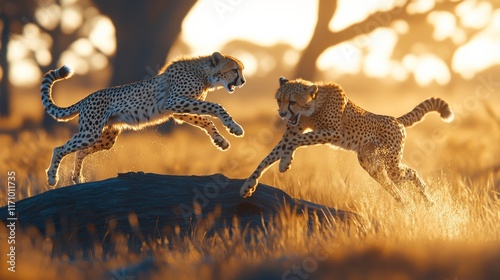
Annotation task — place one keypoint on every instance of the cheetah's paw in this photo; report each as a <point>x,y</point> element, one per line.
<point>235,129</point>
<point>285,163</point>
<point>52,177</point>
<point>221,143</point>
<point>248,188</point>
<point>78,179</point>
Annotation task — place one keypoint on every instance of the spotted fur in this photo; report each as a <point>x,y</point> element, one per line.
<point>178,92</point>
<point>331,118</point>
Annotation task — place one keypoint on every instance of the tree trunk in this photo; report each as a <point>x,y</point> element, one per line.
<point>148,207</point>
<point>306,68</point>
<point>4,83</point>
<point>145,32</point>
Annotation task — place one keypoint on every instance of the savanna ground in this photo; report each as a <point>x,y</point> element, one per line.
<point>458,238</point>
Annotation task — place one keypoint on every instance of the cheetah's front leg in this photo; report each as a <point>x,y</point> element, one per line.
<point>307,139</point>
<point>250,184</point>
<point>206,125</point>
<point>183,105</point>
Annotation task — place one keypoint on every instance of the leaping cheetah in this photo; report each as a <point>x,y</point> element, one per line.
<point>324,108</point>
<point>178,91</point>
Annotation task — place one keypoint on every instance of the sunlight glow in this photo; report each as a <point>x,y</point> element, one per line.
<point>16,49</point>
<point>376,66</point>
<point>266,63</point>
<point>345,15</point>
<point>102,35</point>
<point>211,24</point>
<point>421,6</point>
<point>43,57</point>
<point>249,60</point>
<point>291,57</point>
<point>382,42</point>
<point>481,51</point>
<point>341,59</point>
<point>34,39</point>
<point>83,57</point>
<point>33,44</point>
<point>79,64</point>
<point>71,19</point>
<point>24,73</point>
<point>82,47</point>
<point>400,26</point>
<point>370,53</point>
<point>451,223</point>
<point>380,48</point>
<point>444,24</point>
<point>474,14</point>
<point>427,68</point>
<point>48,15</point>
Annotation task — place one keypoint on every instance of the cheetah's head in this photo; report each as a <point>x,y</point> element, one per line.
<point>295,98</point>
<point>226,71</point>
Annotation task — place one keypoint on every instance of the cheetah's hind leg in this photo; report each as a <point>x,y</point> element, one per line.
<point>106,142</point>
<point>372,160</point>
<point>86,137</point>
<point>401,174</point>
<point>78,142</point>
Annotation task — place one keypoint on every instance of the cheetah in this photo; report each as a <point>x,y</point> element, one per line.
<point>178,91</point>
<point>321,113</point>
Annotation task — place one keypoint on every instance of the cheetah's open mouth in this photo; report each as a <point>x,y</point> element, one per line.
<point>231,87</point>
<point>294,120</point>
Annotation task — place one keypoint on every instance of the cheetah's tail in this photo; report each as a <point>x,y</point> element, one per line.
<point>429,105</point>
<point>59,113</point>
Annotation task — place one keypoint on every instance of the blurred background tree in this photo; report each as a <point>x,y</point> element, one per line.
<point>144,33</point>
<point>11,14</point>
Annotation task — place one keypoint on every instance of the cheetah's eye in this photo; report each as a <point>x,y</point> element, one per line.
<point>292,102</point>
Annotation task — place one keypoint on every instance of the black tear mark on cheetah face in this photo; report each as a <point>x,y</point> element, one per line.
<point>227,72</point>
<point>295,99</point>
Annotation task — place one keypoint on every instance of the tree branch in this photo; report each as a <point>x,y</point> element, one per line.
<point>322,39</point>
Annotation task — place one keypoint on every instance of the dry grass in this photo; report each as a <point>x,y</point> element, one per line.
<point>458,238</point>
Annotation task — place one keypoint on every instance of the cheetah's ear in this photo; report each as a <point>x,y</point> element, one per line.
<point>283,80</point>
<point>216,58</point>
<point>312,90</point>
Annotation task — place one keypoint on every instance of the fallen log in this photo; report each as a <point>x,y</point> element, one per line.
<point>148,207</point>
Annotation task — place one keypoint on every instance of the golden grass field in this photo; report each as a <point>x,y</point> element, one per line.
<point>458,238</point>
